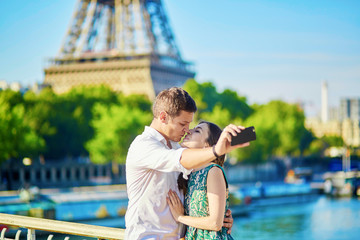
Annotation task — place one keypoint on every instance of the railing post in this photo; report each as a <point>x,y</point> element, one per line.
<point>2,237</point>
<point>31,234</point>
<point>17,236</point>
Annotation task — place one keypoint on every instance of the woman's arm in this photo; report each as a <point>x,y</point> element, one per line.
<point>196,157</point>
<point>216,193</point>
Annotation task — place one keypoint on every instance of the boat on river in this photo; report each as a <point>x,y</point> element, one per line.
<point>342,183</point>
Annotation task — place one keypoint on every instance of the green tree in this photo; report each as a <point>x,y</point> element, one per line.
<point>76,114</point>
<point>12,98</point>
<point>198,93</point>
<point>136,101</point>
<point>316,148</point>
<point>51,117</point>
<point>333,141</point>
<point>17,138</point>
<point>58,126</point>
<point>40,112</point>
<point>64,120</point>
<point>219,115</point>
<point>279,129</point>
<point>115,128</point>
<point>236,105</point>
<point>306,139</point>
<point>212,104</point>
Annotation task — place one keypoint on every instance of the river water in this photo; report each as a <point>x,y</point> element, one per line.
<point>321,219</point>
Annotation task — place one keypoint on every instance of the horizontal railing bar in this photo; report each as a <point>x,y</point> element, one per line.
<point>71,228</point>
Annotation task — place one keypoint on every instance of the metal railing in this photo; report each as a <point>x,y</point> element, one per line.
<point>55,226</point>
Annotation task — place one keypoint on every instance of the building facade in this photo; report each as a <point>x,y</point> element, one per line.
<point>342,122</point>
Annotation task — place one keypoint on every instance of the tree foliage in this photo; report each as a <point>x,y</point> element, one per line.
<point>17,138</point>
<point>280,132</point>
<point>115,128</point>
<point>279,126</point>
<point>333,141</point>
<point>100,123</point>
<point>219,107</point>
<point>63,120</point>
<point>58,126</point>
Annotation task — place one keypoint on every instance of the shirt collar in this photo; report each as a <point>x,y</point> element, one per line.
<point>154,133</point>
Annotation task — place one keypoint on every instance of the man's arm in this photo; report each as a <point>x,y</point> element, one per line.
<point>194,158</point>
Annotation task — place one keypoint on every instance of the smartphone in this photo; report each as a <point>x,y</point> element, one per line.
<point>246,135</point>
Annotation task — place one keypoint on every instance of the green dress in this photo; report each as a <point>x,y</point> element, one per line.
<point>196,204</point>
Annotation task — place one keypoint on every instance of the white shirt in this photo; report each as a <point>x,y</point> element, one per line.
<point>152,168</point>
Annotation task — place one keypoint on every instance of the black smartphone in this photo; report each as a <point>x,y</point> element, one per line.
<point>246,135</point>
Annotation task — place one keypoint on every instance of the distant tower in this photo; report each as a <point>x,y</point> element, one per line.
<point>324,102</point>
<point>126,44</point>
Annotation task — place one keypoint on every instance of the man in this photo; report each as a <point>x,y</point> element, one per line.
<point>155,160</point>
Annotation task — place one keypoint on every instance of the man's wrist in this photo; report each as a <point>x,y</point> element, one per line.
<point>214,152</point>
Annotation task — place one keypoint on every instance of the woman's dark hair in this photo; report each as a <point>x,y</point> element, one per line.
<point>213,136</point>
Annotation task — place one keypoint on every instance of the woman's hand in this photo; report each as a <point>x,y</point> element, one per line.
<point>223,145</point>
<point>176,207</point>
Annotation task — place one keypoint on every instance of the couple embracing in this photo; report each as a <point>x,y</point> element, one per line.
<point>161,174</point>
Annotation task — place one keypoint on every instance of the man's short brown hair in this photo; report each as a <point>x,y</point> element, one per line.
<point>172,101</point>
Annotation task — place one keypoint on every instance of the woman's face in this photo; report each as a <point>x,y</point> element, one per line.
<point>197,137</point>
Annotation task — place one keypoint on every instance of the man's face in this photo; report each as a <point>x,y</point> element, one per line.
<point>177,127</point>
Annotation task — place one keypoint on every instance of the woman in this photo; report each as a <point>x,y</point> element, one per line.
<point>206,198</point>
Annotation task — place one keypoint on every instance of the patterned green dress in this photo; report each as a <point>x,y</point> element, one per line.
<point>196,204</point>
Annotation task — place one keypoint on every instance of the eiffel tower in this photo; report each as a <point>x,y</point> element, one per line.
<point>126,44</point>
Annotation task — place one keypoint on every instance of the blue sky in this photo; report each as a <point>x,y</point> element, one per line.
<point>265,49</point>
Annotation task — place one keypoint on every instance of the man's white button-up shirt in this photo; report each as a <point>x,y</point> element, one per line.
<point>152,168</point>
